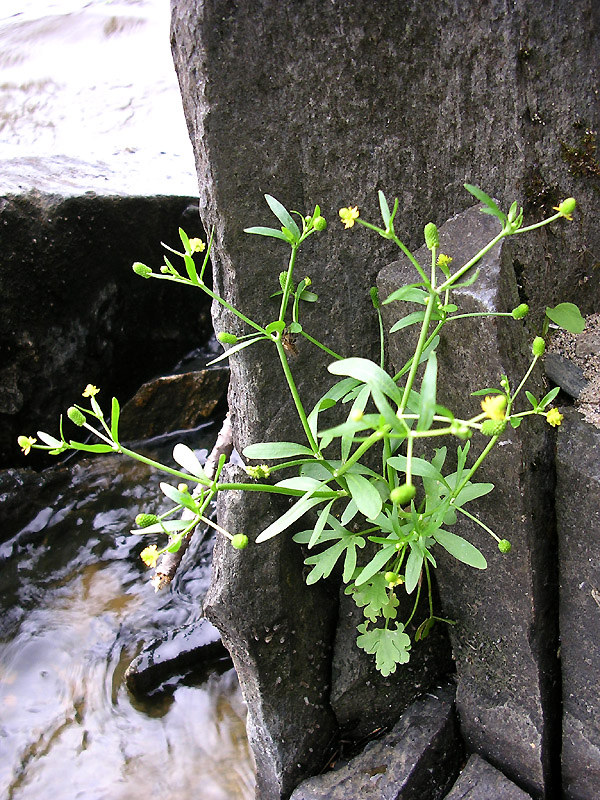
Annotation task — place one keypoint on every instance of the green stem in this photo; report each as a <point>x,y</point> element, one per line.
<point>297,401</point>
<point>375,437</point>
<point>162,467</point>
<point>476,465</point>
<point>418,351</point>
<point>539,224</point>
<point>520,386</point>
<point>453,278</point>
<point>322,346</point>
<point>288,283</point>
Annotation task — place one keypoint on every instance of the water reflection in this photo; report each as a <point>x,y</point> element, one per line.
<point>76,609</point>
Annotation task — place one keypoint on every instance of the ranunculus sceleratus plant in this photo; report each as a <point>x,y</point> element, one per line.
<point>389,418</point>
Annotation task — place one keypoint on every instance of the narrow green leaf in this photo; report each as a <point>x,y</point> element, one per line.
<point>428,394</point>
<point>49,440</point>
<point>471,492</point>
<point>385,209</point>
<point>378,561</point>
<point>283,215</point>
<point>114,419</point>
<point>368,372</point>
<point>461,549</point>
<point>191,269</point>
<point>410,319</point>
<point>160,527</point>
<point>319,527</point>
<point>187,459</point>
<point>235,348</point>
<point>473,275</point>
<point>185,241</point>
<point>409,294</point>
<point>275,327</point>
<point>414,565</point>
<point>486,200</point>
<point>271,450</point>
<point>181,498</point>
<point>261,231</point>
<point>304,504</point>
<point>418,467</point>
<point>91,448</point>
<point>566,316</point>
<point>364,494</point>
<point>481,392</point>
<point>302,482</point>
<point>548,398</point>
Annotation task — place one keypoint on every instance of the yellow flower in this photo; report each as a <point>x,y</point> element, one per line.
<point>349,216</point>
<point>149,555</point>
<point>554,417</point>
<point>90,390</point>
<point>26,443</point>
<point>197,246</point>
<point>443,260</point>
<point>494,405</point>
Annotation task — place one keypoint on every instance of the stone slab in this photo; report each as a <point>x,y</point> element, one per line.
<point>417,760</point>
<point>480,781</point>
<point>578,522</point>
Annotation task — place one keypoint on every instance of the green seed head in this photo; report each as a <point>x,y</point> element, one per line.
<point>493,427</point>
<point>432,238</point>
<point>227,338</point>
<point>320,224</point>
<point>145,520</point>
<point>567,206</point>
<point>520,311</point>
<point>142,270</point>
<point>504,546</point>
<point>402,495</point>
<point>240,541</point>
<point>76,416</point>
<point>538,347</point>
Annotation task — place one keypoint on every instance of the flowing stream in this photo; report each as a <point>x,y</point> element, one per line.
<point>76,608</point>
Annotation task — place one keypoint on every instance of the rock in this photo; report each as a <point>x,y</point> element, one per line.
<point>191,648</point>
<point>480,781</point>
<point>564,373</point>
<point>74,312</point>
<point>418,759</point>
<point>173,402</point>
<point>505,640</point>
<point>282,655</point>
<point>578,522</point>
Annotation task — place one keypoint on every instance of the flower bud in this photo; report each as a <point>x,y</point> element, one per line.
<point>504,546</point>
<point>520,311</point>
<point>320,224</point>
<point>538,347</point>
<point>402,495</point>
<point>356,415</point>
<point>393,579</point>
<point>460,430</point>
<point>240,541</point>
<point>554,417</point>
<point>227,338</point>
<point>145,520</point>
<point>432,238</point>
<point>493,427</point>
<point>142,270</point>
<point>183,488</point>
<point>76,416</point>
<point>567,207</point>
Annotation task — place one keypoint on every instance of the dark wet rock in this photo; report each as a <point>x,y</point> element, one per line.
<point>505,640</point>
<point>73,311</point>
<point>279,633</point>
<point>578,521</point>
<point>564,373</point>
<point>173,402</point>
<point>480,781</point>
<point>365,701</point>
<point>417,760</point>
<point>196,647</point>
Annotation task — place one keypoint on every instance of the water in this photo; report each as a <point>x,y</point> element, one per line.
<point>76,608</point>
<point>94,80</point>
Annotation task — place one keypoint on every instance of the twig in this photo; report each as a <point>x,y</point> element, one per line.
<point>167,566</point>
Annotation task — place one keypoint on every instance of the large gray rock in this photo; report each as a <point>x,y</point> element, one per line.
<point>480,781</point>
<point>417,760</point>
<point>578,521</point>
<point>505,639</point>
<point>279,633</point>
<point>73,311</point>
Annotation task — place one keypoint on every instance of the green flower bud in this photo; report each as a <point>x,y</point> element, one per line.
<point>567,207</point>
<point>460,430</point>
<point>320,224</point>
<point>504,546</point>
<point>402,495</point>
<point>432,238</point>
<point>227,338</point>
<point>493,427</point>
<point>142,270</point>
<point>240,541</point>
<point>393,579</point>
<point>538,347</point>
<point>520,311</point>
<point>374,292</point>
<point>183,488</point>
<point>164,269</point>
<point>76,416</point>
<point>145,520</point>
